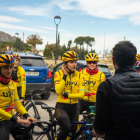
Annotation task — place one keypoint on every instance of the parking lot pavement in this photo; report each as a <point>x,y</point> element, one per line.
<point>50,102</point>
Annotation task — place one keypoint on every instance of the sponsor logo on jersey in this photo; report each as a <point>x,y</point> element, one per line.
<point>8,94</point>
<point>70,83</point>
<point>92,83</point>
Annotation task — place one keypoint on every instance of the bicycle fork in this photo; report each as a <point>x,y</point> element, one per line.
<point>37,116</point>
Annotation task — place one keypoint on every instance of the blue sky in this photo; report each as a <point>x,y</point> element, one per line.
<point>108,20</point>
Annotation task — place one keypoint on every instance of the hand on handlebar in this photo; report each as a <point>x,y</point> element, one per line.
<point>27,122</point>
<point>31,119</point>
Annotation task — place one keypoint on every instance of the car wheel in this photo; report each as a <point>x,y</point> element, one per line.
<point>43,96</point>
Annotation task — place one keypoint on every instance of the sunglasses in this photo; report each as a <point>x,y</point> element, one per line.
<point>90,62</point>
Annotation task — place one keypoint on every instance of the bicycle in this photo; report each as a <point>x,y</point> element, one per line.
<point>34,108</point>
<point>50,129</point>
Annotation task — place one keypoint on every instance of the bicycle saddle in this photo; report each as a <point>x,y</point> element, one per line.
<point>47,107</point>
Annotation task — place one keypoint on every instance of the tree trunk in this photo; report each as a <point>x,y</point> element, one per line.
<point>52,55</point>
<point>34,48</point>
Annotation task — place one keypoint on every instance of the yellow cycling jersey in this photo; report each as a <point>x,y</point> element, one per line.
<point>73,86</point>
<point>8,98</point>
<point>21,81</point>
<point>91,83</point>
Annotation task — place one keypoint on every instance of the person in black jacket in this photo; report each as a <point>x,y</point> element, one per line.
<point>118,98</point>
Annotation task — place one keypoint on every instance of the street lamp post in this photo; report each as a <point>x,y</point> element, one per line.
<point>16,40</point>
<point>104,47</point>
<point>56,17</point>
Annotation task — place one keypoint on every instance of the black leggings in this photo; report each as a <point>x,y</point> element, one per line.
<point>65,113</point>
<point>84,105</point>
<point>7,127</point>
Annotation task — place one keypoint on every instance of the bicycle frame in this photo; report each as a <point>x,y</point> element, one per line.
<point>83,128</point>
<point>34,106</point>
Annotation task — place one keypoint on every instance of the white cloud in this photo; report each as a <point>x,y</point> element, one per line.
<point>41,10</point>
<point>110,9</point>
<point>50,28</point>
<point>14,27</point>
<point>9,19</point>
<point>66,4</point>
<point>135,19</point>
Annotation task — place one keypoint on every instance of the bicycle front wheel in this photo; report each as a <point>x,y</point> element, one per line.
<point>37,113</point>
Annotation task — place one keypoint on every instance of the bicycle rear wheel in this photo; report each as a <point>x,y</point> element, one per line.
<point>43,114</point>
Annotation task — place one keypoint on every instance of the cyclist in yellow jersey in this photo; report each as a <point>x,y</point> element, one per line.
<point>8,99</point>
<point>92,79</point>
<point>19,77</point>
<point>137,65</point>
<point>69,89</point>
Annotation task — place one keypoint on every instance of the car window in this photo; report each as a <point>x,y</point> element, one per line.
<point>105,70</point>
<point>59,67</point>
<point>28,61</point>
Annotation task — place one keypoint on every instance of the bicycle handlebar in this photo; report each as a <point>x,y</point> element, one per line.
<point>28,127</point>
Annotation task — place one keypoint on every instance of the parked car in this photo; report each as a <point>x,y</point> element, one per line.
<point>81,64</point>
<point>38,76</point>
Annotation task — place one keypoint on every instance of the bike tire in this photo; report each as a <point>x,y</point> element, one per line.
<point>44,115</point>
<point>30,108</point>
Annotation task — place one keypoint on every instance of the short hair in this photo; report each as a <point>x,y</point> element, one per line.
<point>125,53</point>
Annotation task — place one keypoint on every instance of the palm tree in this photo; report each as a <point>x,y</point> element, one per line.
<point>33,40</point>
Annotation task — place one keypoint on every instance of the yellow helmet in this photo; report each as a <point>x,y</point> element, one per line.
<point>70,55</point>
<point>91,57</point>
<point>6,59</point>
<point>16,56</point>
<point>138,57</point>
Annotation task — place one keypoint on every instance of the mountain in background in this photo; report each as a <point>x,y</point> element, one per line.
<point>4,37</point>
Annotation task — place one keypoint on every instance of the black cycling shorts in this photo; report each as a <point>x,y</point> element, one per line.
<point>84,105</point>
<point>7,127</point>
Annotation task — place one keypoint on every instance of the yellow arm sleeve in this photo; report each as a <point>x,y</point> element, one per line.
<point>18,104</point>
<point>5,115</point>
<point>81,93</point>
<point>103,78</point>
<point>59,83</point>
<point>23,82</point>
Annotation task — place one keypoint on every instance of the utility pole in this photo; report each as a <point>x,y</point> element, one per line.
<point>23,42</point>
<point>23,37</point>
<point>124,38</point>
<point>104,47</point>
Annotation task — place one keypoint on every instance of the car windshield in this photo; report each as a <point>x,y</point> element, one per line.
<point>103,69</point>
<point>28,61</point>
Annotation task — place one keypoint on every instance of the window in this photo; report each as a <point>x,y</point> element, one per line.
<point>105,70</point>
<point>27,61</point>
<point>59,67</point>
